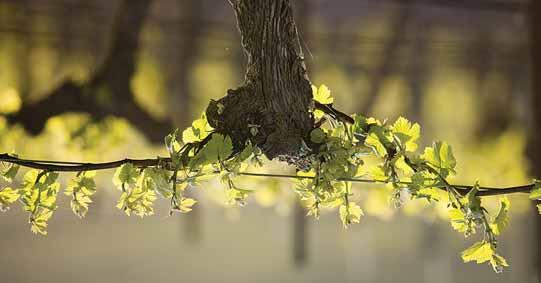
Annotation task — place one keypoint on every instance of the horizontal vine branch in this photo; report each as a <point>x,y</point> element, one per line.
<point>70,166</point>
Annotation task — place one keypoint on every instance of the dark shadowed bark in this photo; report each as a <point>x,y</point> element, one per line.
<point>108,92</point>
<point>276,94</point>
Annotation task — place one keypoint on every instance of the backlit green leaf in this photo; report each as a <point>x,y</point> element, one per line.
<point>479,252</point>
<point>322,94</point>
<point>7,197</point>
<point>81,188</point>
<point>502,219</point>
<point>8,171</point>
<point>125,175</point>
<point>440,155</point>
<point>351,213</point>
<point>199,130</point>
<point>406,133</point>
<point>218,148</point>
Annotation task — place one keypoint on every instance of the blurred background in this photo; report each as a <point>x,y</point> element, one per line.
<point>103,80</point>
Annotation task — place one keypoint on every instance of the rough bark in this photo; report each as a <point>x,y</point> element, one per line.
<point>276,95</point>
<point>108,92</point>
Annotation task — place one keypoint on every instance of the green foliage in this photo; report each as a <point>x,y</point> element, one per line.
<point>323,96</point>
<point>38,195</point>
<point>138,190</point>
<point>7,197</point>
<point>502,218</point>
<point>339,154</point>
<point>482,252</point>
<point>350,213</point>
<point>199,130</point>
<point>406,133</point>
<point>81,188</point>
<point>535,194</point>
<point>218,149</point>
<point>440,156</point>
<point>8,171</point>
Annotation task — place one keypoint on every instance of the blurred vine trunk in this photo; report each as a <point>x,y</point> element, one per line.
<point>535,134</point>
<point>495,106</point>
<point>25,21</point>
<point>390,55</point>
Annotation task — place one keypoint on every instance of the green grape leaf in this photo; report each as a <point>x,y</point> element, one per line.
<point>159,179</point>
<point>360,126</point>
<point>8,171</point>
<point>7,197</point>
<point>406,133</point>
<point>479,252</point>
<point>185,205</point>
<point>218,148</point>
<point>246,152</point>
<point>173,145</point>
<point>139,201</point>
<point>378,139</point>
<point>373,142</point>
<point>125,175</point>
<point>460,223</point>
<point>430,194</point>
<point>351,213</point>
<point>236,196</point>
<point>502,219</point>
<point>39,222</point>
<point>317,136</point>
<point>535,193</point>
<point>322,94</point>
<point>81,188</point>
<point>498,263</point>
<point>199,130</point>
<point>38,195</point>
<point>441,156</point>
<point>483,251</point>
<point>474,202</point>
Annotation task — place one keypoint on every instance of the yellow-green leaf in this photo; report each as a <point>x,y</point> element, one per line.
<point>441,156</point>
<point>351,213</point>
<point>199,130</point>
<point>81,188</point>
<point>7,197</point>
<point>502,219</point>
<point>125,175</point>
<point>406,133</point>
<point>479,252</point>
<point>218,148</point>
<point>322,94</point>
